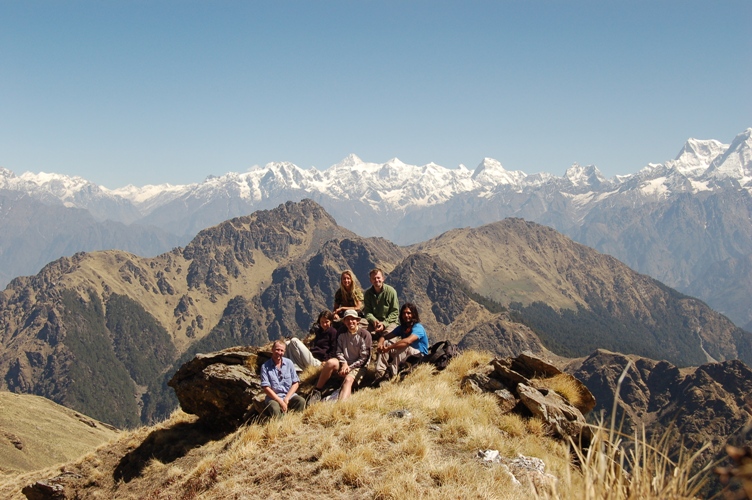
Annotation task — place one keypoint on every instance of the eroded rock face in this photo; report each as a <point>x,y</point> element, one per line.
<point>519,385</point>
<point>221,387</point>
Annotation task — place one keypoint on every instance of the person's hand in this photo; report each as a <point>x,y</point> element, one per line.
<point>382,347</point>
<point>283,405</point>
<point>379,327</point>
<point>344,370</point>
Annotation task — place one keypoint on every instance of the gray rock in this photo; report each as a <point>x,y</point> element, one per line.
<point>563,419</point>
<point>49,489</point>
<point>506,400</point>
<point>221,387</point>
<point>504,372</point>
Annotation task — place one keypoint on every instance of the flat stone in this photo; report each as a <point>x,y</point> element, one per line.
<point>508,375</point>
<point>534,366</point>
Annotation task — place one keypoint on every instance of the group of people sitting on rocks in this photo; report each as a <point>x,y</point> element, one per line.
<point>342,344</point>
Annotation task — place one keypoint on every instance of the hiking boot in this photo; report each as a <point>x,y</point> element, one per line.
<point>380,377</point>
<point>314,398</point>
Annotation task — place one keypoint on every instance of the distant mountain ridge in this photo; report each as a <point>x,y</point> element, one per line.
<point>701,165</point>
<point>630,217</point>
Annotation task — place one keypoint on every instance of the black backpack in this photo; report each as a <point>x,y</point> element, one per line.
<point>438,355</point>
<point>441,353</point>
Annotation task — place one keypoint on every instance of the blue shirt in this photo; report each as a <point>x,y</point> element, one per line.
<point>280,380</point>
<point>421,343</point>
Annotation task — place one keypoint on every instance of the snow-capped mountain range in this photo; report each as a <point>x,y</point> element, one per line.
<point>701,165</point>
<point>629,216</point>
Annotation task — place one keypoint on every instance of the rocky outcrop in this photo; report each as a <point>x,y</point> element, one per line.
<point>520,385</point>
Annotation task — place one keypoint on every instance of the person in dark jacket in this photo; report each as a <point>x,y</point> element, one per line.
<point>351,362</point>
<point>323,347</point>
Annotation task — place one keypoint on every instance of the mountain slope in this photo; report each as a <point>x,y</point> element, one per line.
<point>578,300</point>
<point>36,433</point>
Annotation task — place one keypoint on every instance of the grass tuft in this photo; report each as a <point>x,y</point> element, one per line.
<point>565,386</point>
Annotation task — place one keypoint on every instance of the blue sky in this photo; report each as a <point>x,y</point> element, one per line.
<point>146,92</point>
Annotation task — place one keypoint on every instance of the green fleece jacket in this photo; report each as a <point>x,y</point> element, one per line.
<point>382,306</point>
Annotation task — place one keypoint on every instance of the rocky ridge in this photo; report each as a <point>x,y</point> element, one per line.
<point>709,404</point>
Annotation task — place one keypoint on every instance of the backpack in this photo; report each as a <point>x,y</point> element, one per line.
<point>441,353</point>
<point>438,355</point>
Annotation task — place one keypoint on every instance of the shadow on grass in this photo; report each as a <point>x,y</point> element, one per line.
<point>166,445</point>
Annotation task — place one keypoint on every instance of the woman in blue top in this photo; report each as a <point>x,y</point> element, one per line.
<point>408,339</point>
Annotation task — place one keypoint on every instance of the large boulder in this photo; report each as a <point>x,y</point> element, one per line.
<point>221,388</point>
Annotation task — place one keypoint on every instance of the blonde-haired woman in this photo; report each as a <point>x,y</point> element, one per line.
<point>349,295</point>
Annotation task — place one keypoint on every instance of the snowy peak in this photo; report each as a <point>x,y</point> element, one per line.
<point>395,163</point>
<point>490,172</point>
<point>350,160</point>
<point>736,161</point>
<point>584,176</point>
<point>697,155</point>
<point>71,191</point>
<point>5,175</point>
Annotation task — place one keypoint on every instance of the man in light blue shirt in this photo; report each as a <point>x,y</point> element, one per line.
<point>280,383</point>
<point>408,339</point>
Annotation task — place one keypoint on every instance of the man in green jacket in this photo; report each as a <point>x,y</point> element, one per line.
<point>380,305</point>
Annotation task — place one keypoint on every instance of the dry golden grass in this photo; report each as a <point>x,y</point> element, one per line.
<point>565,386</point>
<point>357,449</point>
<point>642,470</point>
